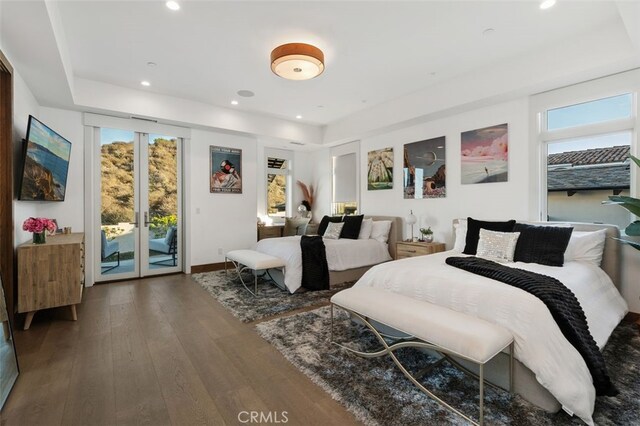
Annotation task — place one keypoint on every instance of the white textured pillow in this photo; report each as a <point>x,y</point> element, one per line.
<point>333,231</point>
<point>497,246</point>
<point>586,247</point>
<point>461,235</point>
<point>380,230</point>
<point>365,229</point>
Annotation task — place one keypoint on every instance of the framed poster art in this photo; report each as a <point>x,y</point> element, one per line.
<point>485,155</point>
<point>226,170</point>
<point>380,169</point>
<point>424,171</point>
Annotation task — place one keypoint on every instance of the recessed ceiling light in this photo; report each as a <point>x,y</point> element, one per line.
<point>546,4</point>
<point>145,83</point>
<point>488,32</point>
<point>298,116</point>
<point>151,64</point>
<point>173,5</point>
<point>245,93</point>
<point>234,102</point>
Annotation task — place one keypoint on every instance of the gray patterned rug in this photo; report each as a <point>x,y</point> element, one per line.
<point>271,300</point>
<point>377,393</point>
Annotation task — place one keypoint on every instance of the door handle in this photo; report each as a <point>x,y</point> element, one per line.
<point>136,217</point>
<point>146,219</point>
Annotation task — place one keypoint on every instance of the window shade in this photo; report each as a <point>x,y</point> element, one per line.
<point>344,178</point>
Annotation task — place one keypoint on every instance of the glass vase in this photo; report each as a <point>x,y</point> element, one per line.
<point>40,237</point>
<point>428,238</point>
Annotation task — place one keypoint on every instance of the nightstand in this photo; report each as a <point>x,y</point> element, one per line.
<point>408,249</point>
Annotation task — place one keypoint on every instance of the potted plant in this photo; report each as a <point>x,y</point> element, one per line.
<point>427,234</point>
<point>633,205</point>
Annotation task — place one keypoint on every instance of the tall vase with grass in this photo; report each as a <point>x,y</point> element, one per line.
<point>39,227</point>
<point>307,201</point>
<point>633,205</point>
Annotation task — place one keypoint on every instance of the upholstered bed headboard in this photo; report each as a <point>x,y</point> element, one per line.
<point>395,233</point>
<point>612,250</point>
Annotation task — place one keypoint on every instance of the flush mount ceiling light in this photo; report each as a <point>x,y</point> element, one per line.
<point>297,61</point>
<point>145,83</point>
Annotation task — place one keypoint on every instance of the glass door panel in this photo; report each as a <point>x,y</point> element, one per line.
<point>118,200</point>
<point>162,210</point>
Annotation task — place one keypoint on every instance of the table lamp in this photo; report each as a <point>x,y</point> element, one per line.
<point>411,220</point>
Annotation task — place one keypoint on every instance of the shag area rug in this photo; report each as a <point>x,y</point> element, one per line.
<point>377,393</point>
<point>271,300</point>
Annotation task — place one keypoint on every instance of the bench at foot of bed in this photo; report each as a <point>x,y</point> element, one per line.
<point>252,260</point>
<point>427,326</point>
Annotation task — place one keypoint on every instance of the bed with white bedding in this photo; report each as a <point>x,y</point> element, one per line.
<point>539,344</point>
<point>347,259</point>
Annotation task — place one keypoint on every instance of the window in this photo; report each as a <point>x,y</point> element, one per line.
<point>583,168</point>
<point>598,111</point>
<point>277,186</point>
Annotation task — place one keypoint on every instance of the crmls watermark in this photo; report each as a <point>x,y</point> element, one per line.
<point>276,417</point>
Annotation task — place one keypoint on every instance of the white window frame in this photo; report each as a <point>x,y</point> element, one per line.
<point>285,155</point>
<point>580,93</point>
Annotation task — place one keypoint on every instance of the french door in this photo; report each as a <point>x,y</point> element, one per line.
<point>139,184</point>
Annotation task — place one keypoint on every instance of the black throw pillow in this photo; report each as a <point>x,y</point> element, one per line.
<point>473,232</point>
<point>325,222</point>
<point>541,244</point>
<point>351,228</point>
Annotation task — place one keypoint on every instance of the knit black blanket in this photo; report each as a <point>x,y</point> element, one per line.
<point>563,305</point>
<point>315,270</point>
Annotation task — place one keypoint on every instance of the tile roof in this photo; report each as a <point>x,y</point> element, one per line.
<point>615,176</point>
<point>614,154</point>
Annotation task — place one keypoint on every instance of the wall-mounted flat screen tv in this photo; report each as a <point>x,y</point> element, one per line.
<point>46,164</point>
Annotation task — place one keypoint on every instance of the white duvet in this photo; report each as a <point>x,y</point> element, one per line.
<point>539,343</point>
<point>342,254</point>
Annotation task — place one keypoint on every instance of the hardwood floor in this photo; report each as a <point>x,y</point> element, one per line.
<point>156,351</point>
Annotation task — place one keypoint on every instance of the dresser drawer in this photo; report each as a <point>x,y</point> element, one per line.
<point>269,232</point>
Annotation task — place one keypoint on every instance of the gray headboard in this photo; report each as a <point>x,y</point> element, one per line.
<point>395,233</point>
<point>612,250</point>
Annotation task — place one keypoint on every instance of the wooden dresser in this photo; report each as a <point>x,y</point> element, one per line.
<point>270,231</point>
<point>409,249</point>
<point>50,274</point>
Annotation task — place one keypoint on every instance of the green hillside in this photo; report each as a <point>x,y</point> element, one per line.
<point>117,182</point>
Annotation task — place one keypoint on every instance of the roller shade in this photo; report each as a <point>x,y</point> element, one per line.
<point>345,187</point>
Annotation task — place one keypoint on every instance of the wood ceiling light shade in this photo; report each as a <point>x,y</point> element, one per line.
<point>297,61</point>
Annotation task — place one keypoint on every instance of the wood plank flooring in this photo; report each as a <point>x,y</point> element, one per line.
<point>157,351</point>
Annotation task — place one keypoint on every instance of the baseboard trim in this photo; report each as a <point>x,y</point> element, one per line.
<point>208,267</point>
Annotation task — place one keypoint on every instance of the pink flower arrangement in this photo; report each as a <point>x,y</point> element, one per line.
<point>39,224</point>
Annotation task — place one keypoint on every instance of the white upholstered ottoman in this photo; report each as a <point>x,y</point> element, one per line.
<point>427,326</point>
<point>253,260</point>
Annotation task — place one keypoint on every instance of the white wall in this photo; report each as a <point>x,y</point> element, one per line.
<point>493,201</point>
<point>219,221</point>
<point>69,124</point>
<point>24,104</point>
<point>69,212</point>
<point>322,180</point>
